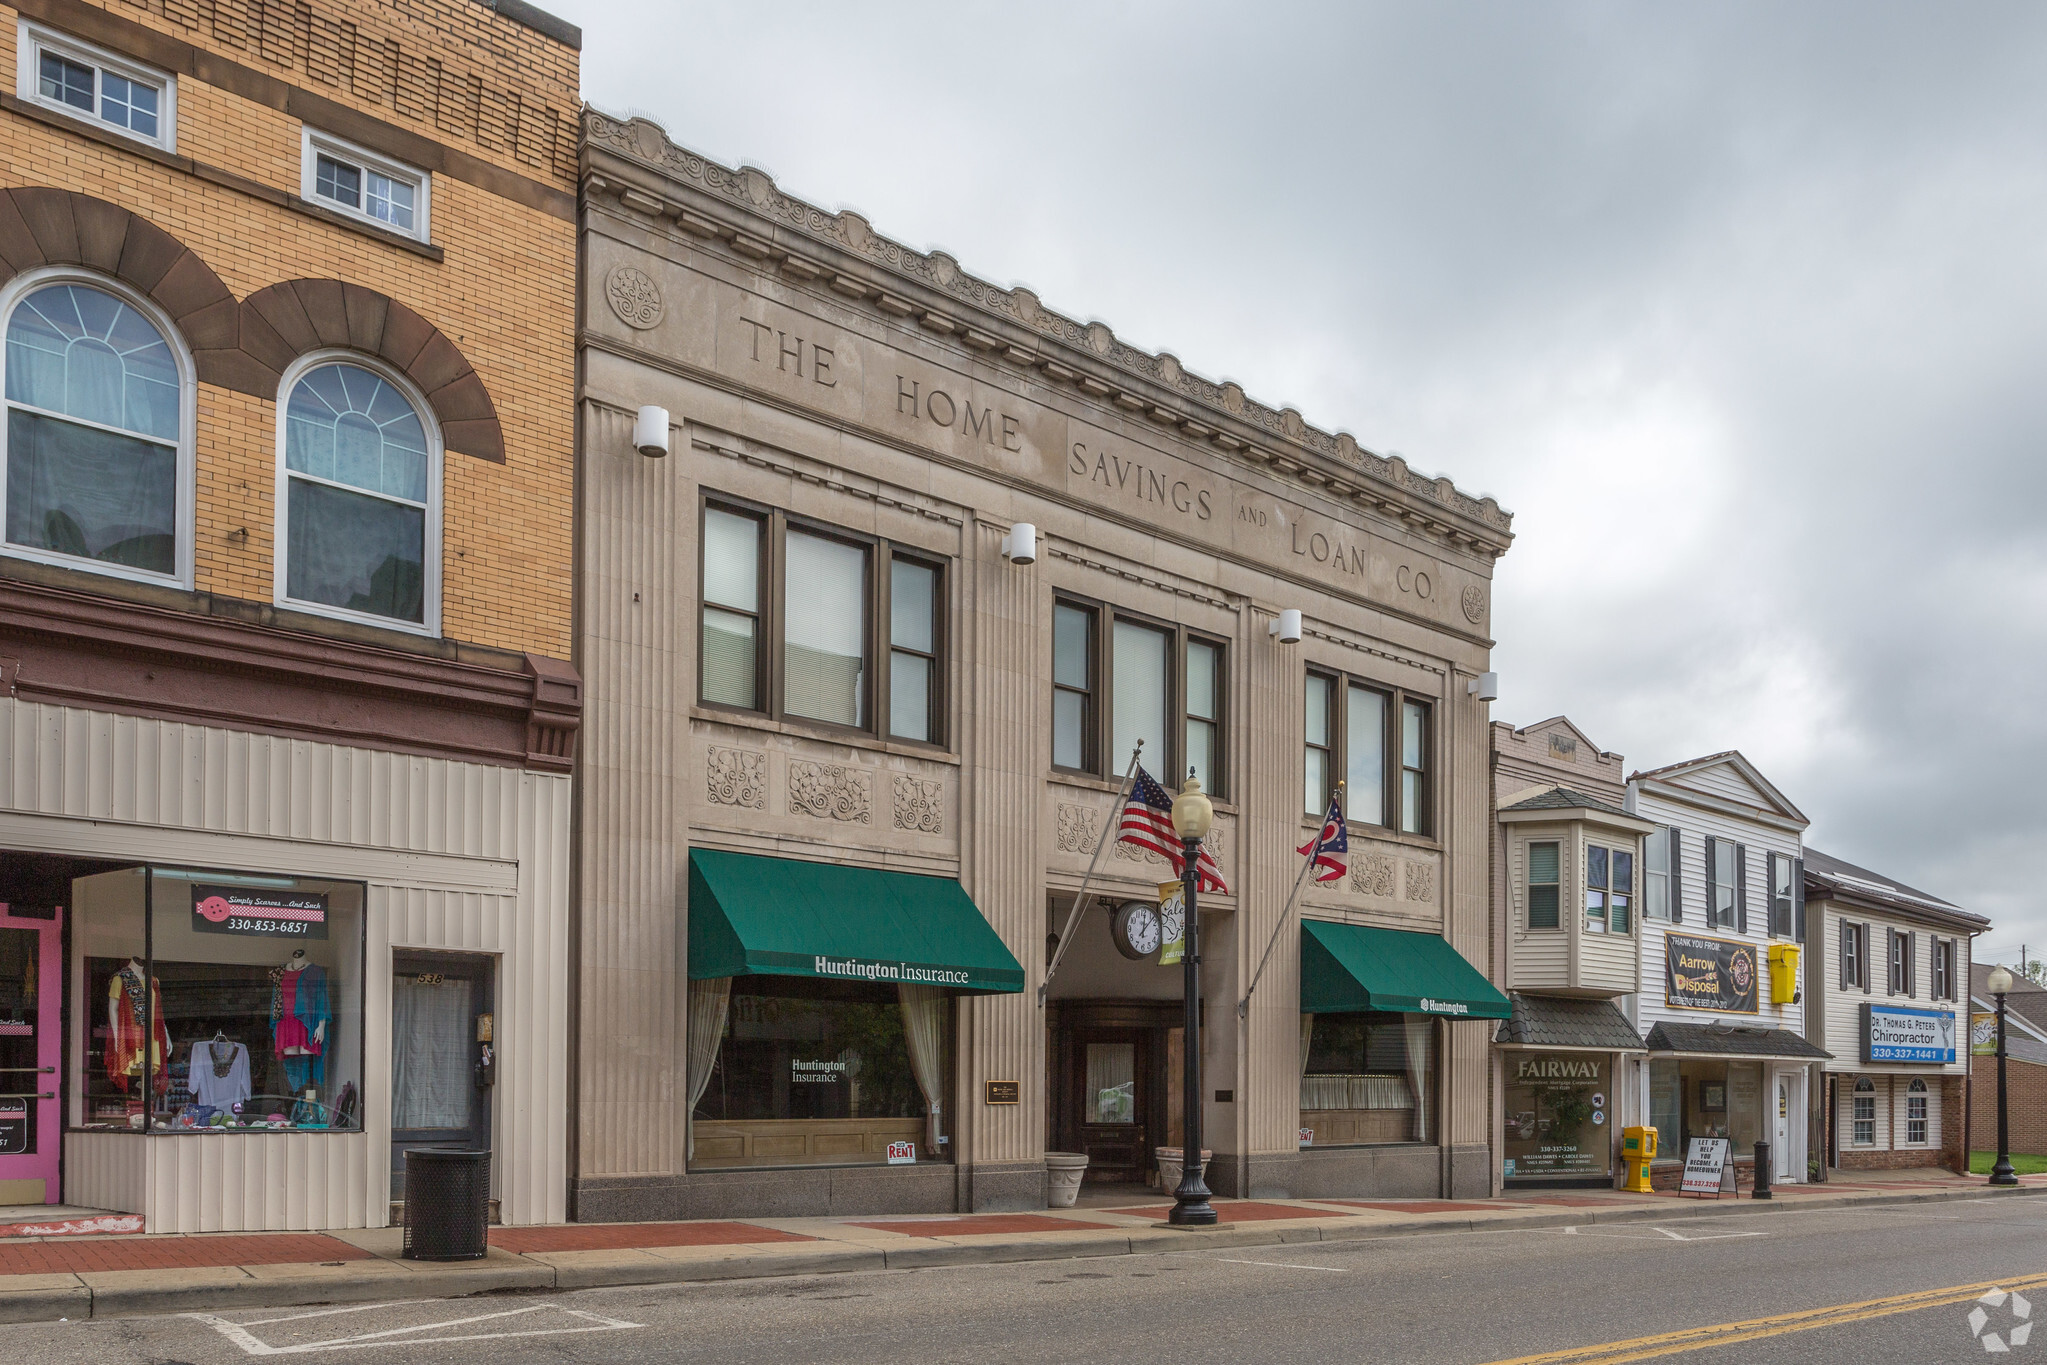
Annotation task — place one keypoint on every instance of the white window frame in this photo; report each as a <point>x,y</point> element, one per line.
<point>1856,1120</point>
<point>1923,1097</point>
<point>436,459</point>
<point>314,144</point>
<point>19,288</point>
<point>32,40</point>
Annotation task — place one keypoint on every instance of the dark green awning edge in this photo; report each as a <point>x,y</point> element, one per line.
<point>1351,968</point>
<point>752,915</point>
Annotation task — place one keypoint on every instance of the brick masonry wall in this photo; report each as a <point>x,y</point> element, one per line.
<point>2025,1104</point>
<point>503,292</point>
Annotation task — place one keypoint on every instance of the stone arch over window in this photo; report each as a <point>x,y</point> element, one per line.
<point>247,346</point>
<point>284,321</point>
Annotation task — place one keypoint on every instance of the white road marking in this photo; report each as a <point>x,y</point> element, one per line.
<point>1575,1230</point>
<point>1287,1265</point>
<point>240,1335</point>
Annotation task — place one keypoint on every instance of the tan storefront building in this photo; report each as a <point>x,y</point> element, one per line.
<point>286,713</point>
<point>869,647</point>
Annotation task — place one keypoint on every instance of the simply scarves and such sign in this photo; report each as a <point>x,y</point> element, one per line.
<point>1892,1034</point>
<point>1709,974</point>
<point>268,914</point>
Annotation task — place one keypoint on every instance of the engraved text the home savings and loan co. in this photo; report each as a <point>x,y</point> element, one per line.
<point>825,367</point>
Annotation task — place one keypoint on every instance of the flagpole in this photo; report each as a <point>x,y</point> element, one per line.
<point>1080,896</point>
<point>1300,880</point>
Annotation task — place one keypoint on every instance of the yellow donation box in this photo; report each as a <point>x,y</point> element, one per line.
<point>1784,973</point>
<point>1638,1149</point>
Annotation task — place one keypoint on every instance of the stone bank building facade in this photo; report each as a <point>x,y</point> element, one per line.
<point>870,646</point>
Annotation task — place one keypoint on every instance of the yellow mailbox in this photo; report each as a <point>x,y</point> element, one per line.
<point>1784,973</point>
<point>1638,1149</point>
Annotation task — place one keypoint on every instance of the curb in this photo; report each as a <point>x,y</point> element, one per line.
<point>131,1293</point>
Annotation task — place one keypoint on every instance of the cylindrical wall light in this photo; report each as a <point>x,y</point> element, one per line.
<point>1020,546</point>
<point>1287,628</point>
<point>650,431</point>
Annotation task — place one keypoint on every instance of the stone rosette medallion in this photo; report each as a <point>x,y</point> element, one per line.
<point>635,297</point>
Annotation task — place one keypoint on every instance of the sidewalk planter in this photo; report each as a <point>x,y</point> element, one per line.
<point>1063,1171</point>
<point>1171,1160</point>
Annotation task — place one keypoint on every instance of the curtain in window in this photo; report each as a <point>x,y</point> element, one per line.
<point>924,1033</point>
<point>362,553</point>
<point>825,639</point>
<point>1420,1031</point>
<point>430,1062</point>
<point>1111,1083</point>
<point>709,1003</point>
<point>1307,1039</point>
<point>1139,695</point>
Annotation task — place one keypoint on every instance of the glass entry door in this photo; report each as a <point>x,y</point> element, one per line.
<point>443,1055</point>
<point>1114,1077</point>
<point>31,996</point>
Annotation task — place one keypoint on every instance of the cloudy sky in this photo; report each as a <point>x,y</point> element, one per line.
<point>1740,308</point>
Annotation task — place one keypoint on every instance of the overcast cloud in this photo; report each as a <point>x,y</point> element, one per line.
<point>1741,309</point>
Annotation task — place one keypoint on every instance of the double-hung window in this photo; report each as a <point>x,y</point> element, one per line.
<point>1545,869</point>
<point>1380,742</point>
<point>1782,895</point>
<point>1656,875</point>
<point>1162,684</point>
<point>1862,1113</point>
<point>1901,962</point>
<point>792,615</point>
<point>1723,882</point>
<point>1854,955</point>
<point>1943,969</point>
<point>1915,1113</point>
<point>1609,889</point>
<point>351,180</point>
<point>61,73</point>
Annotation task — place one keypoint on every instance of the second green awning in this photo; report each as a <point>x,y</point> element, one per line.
<point>1347,968</point>
<point>757,916</point>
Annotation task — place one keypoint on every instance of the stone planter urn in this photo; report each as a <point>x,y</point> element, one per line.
<point>1063,1171</point>
<point>1171,1161</point>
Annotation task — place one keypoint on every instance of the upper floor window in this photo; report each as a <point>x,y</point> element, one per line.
<point>791,616</point>
<point>358,497</point>
<point>1609,889</point>
<point>59,72</point>
<point>341,176</point>
<point>1360,725</point>
<point>1163,684</point>
<point>1545,870</point>
<point>1943,969</point>
<point>1901,962</point>
<point>98,451</point>
<point>1724,906</point>
<point>1656,879</point>
<point>1783,895</point>
<point>1854,955</point>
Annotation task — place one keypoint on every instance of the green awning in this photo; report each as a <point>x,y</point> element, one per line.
<point>1347,968</point>
<point>757,916</point>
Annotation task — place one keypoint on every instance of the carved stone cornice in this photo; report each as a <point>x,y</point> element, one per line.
<point>635,164</point>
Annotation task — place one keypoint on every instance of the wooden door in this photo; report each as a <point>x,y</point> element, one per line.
<point>1111,1098</point>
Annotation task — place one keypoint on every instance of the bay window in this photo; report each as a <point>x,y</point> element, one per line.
<point>792,615</point>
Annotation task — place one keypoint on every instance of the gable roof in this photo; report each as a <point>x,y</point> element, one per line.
<point>1831,876</point>
<point>1555,723</point>
<point>1671,773</point>
<point>2023,1001</point>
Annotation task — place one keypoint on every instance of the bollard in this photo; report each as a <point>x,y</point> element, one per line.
<point>1762,1189</point>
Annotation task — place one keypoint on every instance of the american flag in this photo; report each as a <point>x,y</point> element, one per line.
<point>1330,845</point>
<point>1148,823</point>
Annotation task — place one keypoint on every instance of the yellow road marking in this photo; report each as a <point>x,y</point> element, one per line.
<point>1727,1333</point>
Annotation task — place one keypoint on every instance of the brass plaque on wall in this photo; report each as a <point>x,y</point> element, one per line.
<point>1003,1092</point>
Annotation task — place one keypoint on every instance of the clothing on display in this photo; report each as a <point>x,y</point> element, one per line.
<point>299,1013</point>
<point>220,1074</point>
<point>132,1016</point>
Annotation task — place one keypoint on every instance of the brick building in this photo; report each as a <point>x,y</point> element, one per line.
<point>2025,1061</point>
<point>286,717</point>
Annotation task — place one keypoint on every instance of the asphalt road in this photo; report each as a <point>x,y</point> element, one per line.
<point>1738,1289</point>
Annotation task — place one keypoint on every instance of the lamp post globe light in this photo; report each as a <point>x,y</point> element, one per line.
<point>2002,1173</point>
<point>1193,814</point>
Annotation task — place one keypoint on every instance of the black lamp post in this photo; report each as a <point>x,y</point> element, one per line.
<point>1192,815</point>
<point>2002,1173</point>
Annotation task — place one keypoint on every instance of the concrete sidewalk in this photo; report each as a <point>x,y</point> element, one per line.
<point>45,1278</point>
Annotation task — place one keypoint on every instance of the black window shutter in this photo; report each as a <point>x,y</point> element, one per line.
<point>1707,887</point>
<point>1911,962</point>
<point>1847,955</point>
<point>1798,899</point>
<point>1890,962</point>
<point>1868,976</point>
<point>1741,888</point>
<point>1677,880</point>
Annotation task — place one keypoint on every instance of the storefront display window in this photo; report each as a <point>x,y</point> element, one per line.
<point>799,1071</point>
<point>215,1001</point>
<point>1367,1078</point>
<point>1701,1098</point>
<point>1557,1116</point>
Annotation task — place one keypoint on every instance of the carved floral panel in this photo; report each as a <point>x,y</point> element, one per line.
<point>831,791</point>
<point>736,777</point>
<point>920,805</point>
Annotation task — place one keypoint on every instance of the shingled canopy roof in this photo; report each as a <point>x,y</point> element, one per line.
<point>1546,1021</point>
<point>1735,1040</point>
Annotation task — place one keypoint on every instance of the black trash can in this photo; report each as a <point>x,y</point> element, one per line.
<point>447,1205</point>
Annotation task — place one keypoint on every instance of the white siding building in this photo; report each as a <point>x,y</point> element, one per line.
<point>1722,982</point>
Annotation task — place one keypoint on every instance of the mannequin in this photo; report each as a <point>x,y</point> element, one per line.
<point>129,1020</point>
<point>299,1014</point>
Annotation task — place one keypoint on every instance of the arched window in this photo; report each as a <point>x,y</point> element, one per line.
<point>97,432</point>
<point>1862,1115</point>
<point>359,500</point>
